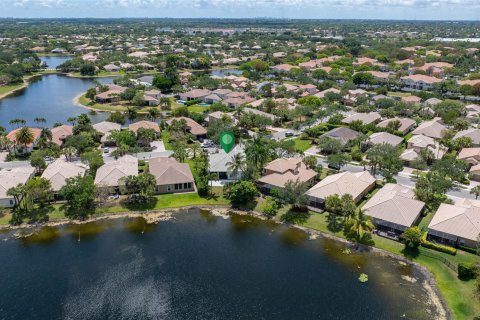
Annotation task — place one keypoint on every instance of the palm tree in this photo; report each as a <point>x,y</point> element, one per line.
<point>476,191</point>
<point>40,120</point>
<point>153,113</point>
<point>45,138</point>
<point>195,148</point>
<point>166,103</point>
<point>237,164</point>
<point>258,151</point>
<point>24,136</point>
<point>69,153</point>
<point>72,120</point>
<point>359,225</point>
<point>5,143</point>
<point>131,114</point>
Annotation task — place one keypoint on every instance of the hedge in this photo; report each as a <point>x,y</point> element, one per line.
<point>192,102</point>
<point>467,271</point>
<point>438,247</point>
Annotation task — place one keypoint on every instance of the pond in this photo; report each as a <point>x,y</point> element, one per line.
<point>54,61</point>
<point>50,97</point>
<point>226,72</point>
<point>200,266</point>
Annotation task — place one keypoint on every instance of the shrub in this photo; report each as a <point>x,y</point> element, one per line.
<point>192,102</point>
<point>240,192</point>
<point>412,237</point>
<point>467,271</point>
<point>438,247</point>
<point>270,208</point>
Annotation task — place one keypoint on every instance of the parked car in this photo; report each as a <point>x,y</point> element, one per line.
<point>289,134</point>
<point>106,150</point>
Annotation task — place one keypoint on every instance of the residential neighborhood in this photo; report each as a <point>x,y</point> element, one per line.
<point>365,133</point>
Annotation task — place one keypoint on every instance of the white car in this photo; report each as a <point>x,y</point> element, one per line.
<point>106,150</point>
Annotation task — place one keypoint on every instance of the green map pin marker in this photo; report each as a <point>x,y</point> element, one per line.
<point>227,141</point>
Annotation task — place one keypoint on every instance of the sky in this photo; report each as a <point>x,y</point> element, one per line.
<point>309,9</point>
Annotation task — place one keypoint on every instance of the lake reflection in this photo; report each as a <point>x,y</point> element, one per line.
<point>200,266</point>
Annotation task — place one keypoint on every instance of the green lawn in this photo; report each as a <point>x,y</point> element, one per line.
<point>10,88</point>
<point>107,106</point>
<point>302,145</point>
<point>165,139</point>
<point>173,201</point>
<point>399,94</point>
<point>199,109</point>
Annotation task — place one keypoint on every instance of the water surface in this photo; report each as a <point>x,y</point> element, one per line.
<point>199,266</point>
<point>50,97</point>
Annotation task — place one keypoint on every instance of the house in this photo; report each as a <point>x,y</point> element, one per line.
<point>472,133</point>
<point>105,128</point>
<point>217,115</point>
<point>433,128</point>
<point>418,142</point>
<point>144,124</point>
<point>473,112</point>
<point>60,133</point>
<point>281,68</point>
<point>218,163</point>
<point>12,136</point>
<point>111,68</point>
<point>59,171</point>
<point>384,137</point>
<point>323,93</point>
<point>394,208</point>
<point>411,99</point>
<point>195,94</point>
<point>419,82</point>
<point>171,176</point>
<point>277,173</point>
<point>146,66</point>
<point>342,134</point>
<point>456,224</point>
<point>111,95</point>
<point>222,93</point>
<point>406,124</point>
<point>109,176</point>
<point>432,102</point>
<point>11,178</point>
<point>157,94</point>
<point>261,113</point>
<point>365,118</point>
<point>355,184</point>
<point>192,127</point>
<point>146,81</point>
<point>212,98</point>
<point>470,155</point>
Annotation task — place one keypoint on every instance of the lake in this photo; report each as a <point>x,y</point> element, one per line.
<point>50,97</point>
<point>200,266</point>
<point>54,61</point>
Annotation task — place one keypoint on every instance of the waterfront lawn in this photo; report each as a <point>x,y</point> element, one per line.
<point>107,106</point>
<point>302,145</point>
<point>7,89</point>
<point>166,201</point>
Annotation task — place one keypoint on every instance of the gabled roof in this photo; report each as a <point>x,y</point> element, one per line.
<point>12,135</point>
<point>461,219</point>
<point>60,133</point>
<point>194,127</point>
<point>218,161</point>
<point>366,118</point>
<point>109,174</point>
<point>342,183</point>
<point>105,127</point>
<point>385,137</point>
<point>169,171</point>
<point>405,123</point>
<point>145,125</point>
<point>60,170</point>
<point>13,177</point>
<point>342,134</point>
<point>472,133</point>
<point>394,203</point>
<point>432,128</point>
